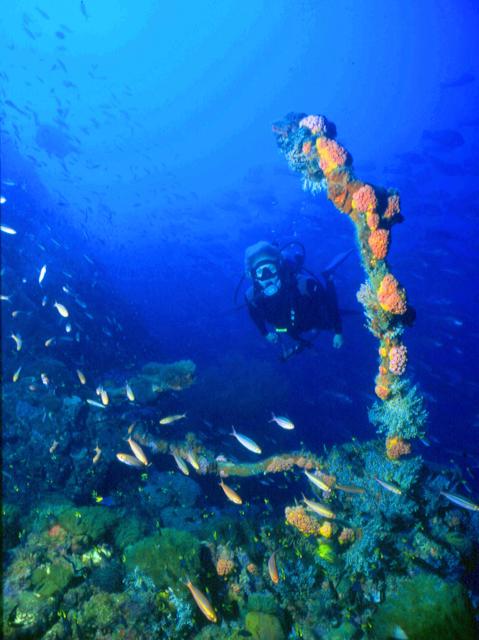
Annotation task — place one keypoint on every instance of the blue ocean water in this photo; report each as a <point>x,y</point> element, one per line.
<point>138,164</point>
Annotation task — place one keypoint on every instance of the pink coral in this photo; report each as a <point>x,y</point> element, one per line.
<point>57,531</point>
<point>379,243</point>
<point>393,207</point>
<point>398,359</point>
<point>224,566</point>
<point>331,155</point>
<point>346,536</point>
<point>316,124</point>
<point>391,296</point>
<point>365,199</point>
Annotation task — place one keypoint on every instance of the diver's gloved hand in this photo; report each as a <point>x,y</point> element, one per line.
<point>338,341</point>
<point>272,337</point>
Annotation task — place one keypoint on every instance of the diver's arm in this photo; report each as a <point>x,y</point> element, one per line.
<point>257,317</point>
<point>328,297</point>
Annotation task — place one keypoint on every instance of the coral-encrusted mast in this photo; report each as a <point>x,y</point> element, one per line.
<point>309,146</point>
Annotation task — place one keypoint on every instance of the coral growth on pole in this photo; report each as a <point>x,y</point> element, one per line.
<point>308,143</point>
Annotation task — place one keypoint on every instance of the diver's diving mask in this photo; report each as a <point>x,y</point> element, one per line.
<point>267,276</point>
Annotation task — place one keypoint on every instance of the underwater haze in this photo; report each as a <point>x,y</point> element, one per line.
<point>239,306</point>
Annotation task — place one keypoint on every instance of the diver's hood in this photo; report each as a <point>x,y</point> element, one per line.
<point>261,252</point>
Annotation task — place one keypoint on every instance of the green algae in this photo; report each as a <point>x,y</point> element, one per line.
<point>11,526</point>
<point>426,607</point>
<point>346,631</point>
<point>25,616</point>
<point>228,632</point>
<point>264,602</point>
<point>128,531</point>
<point>100,612</point>
<point>90,522</point>
<point>50,580</point>
<point>459,542</point>
<point>264,626</point>
<point>167,557</point>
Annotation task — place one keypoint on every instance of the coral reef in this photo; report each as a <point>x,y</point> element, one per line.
<point>73,576</point>
<point>108,556</point>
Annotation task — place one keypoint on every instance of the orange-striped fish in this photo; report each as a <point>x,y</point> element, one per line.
<point>389,487</point>
<point>193,460</point>
<point>138,451</point>
<point>181,464</point>
<point>97,455</point>
<point>273,568</point>
<point>53,446</point>
<point>18,341</point>
<point>316,480</point>
<point>350,488</point>
<point>62,310</point>
<point>318,508</point>
<point>129,392</point>
<point>104,396</point>
<point>203,603</point>
<point>131,461</point>
<point>231,494</point>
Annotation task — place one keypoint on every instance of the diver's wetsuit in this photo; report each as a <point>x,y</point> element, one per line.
<point>302,304</point>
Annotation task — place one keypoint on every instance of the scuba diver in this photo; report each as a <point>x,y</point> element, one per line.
<point>286,299</point>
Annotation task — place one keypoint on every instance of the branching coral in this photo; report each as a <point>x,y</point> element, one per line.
<point>403,415</point>
<point>314,186</point>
